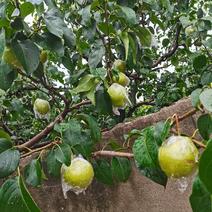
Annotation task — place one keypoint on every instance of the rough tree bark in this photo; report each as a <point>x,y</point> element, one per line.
<point>138,193</point>
<point>179,108</point>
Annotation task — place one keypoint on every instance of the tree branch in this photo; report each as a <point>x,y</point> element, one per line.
<point>171,51</point>
<point>180,108</point>
<point>40,148</point>
<point>52,90</point>
<point>112,154</point>
<point>6,128</point>
<point>50,127</point>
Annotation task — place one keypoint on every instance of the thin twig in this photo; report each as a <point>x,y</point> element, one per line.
<point>50,127</point>
<point>172,50</point>
<point>199,143</point>
<point>112,154</point>
<point>41,148</point>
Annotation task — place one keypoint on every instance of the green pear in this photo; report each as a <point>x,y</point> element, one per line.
<point>79,174</point>
<point>121,79</point>
<point>118,95</point>
<point>41,106</point>
<point>119,65</point>
<point>178,156</point>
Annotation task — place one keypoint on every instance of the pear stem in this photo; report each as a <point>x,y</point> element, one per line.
<point>175,117</point>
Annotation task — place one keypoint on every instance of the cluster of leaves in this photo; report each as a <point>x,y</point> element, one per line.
<point>82,39</point>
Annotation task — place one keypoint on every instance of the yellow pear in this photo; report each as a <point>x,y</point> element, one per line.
<point>121,79</point>
<point>79,174</point>
<point>178,156</point>
<point>41,106</point>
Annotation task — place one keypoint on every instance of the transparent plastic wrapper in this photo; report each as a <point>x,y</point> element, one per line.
<point>76,177</point>
<point>178,156</point>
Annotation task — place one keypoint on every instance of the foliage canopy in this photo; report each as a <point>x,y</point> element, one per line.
<point>63,51</point>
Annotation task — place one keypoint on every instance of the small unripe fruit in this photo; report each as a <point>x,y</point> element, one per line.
<point>79,174</point>
<point>120,65</point>
<point>10,58</point>
<point>121,79</point>
<point>43,56</point>
<point>118,95</point>
<point>190,30</point>
<point>41,106</point>
<point>178,156</point>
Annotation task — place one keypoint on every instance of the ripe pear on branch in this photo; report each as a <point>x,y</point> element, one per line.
<point>118,95</point>
<point>121,79</point>
<point>119,65</point>
<point>78,176</point>
<point>41,108</point>
<point>178,156</point>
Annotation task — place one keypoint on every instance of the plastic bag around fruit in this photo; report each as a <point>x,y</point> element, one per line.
<point>76,177</point>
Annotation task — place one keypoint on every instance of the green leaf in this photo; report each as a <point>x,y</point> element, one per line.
<point>185,21</point>
<point>14,197</point>
<point>5,144</point>
<point>53,165</point>
<point>161,131</point>
<point>91,93</point>
<point>93,125</point>
<point>7,76</point>
<point>200,198</point>
<point>195,97</point>
<point>54,23</point>
<point>103,173</point>
<point>206,99</point>
<point>56,157</point>
<point>204,124</point>
<point>85,84</point>
<point>72,135</point>
<point>69,37</point>
<point>128,14</point>
<point>28,54</point>
<point>145,150</point>
<point>3,134</point>
<point>78,139</point>
<point>199,62</point>
<point>205,165</point>
<point>85,148</point>
<point>103,101</point>
<point>2,41</point>
<point>26,9</point>
<point>125,39</point>
<point>46,41</point>
<point>9,161</point>
<point>133,49</point>
<point>167,5</point>
<point>208,43</point>
<point>86,15</point>
<point>100,73</point>
<point>145,36</point>
<point>206,78</point>
<point>57,27</point>
<point>121,169</point>
<point>33,173</point>
<point>63,153</point>
<point>106,28</point>
<point>96,54</point>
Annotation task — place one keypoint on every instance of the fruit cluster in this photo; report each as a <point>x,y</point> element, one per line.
<point>117,91</point>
